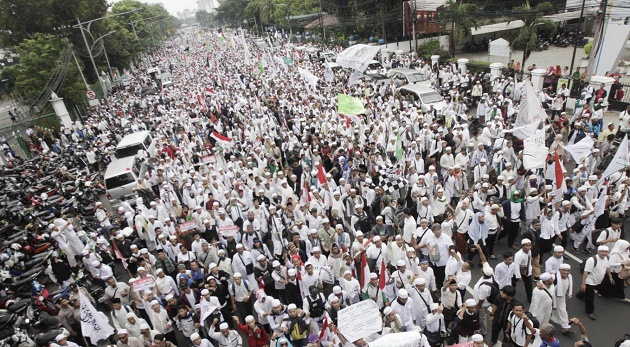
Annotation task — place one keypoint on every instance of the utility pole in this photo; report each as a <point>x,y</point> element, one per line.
<point>597,40</point>
<point>321,21</point>
<point>575,46</point>
<point>92,60</point>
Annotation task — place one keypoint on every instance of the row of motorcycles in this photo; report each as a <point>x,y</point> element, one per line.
<point>34,193</point>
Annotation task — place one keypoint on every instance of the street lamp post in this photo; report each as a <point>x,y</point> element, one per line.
<point>87,46</point>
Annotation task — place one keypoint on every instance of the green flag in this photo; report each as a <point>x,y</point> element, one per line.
<point>288,61</point>
<point>349,105</point>
<point>260,66</point>
<point>399,150</point>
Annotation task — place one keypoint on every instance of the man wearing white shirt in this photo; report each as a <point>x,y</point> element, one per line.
<point>553,264</point>
<point>594,271</point>
<point>523,267</point>
<point>438,245</point>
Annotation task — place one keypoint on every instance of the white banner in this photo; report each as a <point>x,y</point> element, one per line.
<point>581,149</point>
<point>619,162</point>
<point>357,57</point>
<point>406,339</point>
<point>308,77</point>
<point>207,308</point>
<point>94,324</point>
<point>359,320</point>
<point>534,151</point>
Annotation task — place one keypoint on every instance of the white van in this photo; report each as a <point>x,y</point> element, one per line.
<point>132,143</point>
<point>121,177</point>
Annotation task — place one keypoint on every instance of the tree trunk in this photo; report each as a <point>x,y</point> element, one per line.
<point>451,40</point>
<point>523,62</point>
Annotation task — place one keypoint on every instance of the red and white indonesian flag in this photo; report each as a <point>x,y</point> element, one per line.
<point>209,90</point>
<point>555,173</point>
<point>222,140</point>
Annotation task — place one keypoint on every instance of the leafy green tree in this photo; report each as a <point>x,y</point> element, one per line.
<point>526,37</point>
<point>231,13</point>
<point>21,19</point>
<point>458,18</point>
<point>41,59</point>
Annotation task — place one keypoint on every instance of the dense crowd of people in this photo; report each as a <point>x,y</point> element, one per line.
<point>289,219</point>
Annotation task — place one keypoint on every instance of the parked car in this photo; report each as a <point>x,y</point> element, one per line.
<point>378,77</point>
<point>424,95</point>
<point>408,76</point>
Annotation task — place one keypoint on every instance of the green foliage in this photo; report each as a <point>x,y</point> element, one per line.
<point>588,47</point>
<point>426,50</point>
<point>526,37</point>
<point>457,18</point>
<point>21,19</point>
<point>231,12</point>
<point>40,58</point>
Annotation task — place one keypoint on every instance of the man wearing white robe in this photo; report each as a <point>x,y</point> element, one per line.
<point>564,291</point>
<point>422,301</point>
<point>543,299</point>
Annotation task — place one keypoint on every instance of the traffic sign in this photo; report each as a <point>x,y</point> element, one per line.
<point>91,95</point>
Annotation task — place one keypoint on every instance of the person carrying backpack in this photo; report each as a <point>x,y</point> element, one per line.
<point>485,291</point>
<point>295,327</point>
<point>595,268</point>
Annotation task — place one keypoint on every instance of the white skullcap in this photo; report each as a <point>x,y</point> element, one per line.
<point>546,276</point>
<point>403,294</point>
<point>387,310</point>
<point>603,248</point>
<point>194,336</point>
<point>224,326</point>
<point>291,307</point>
<point>470,302</point>
<point>526,241</point>
<point>419,281</point>
<point>237,275</point>
<point>122,331</point>
<point>558,249</point>
<point>249,319</point>
<point>400,263</point>
<point>476,338</point>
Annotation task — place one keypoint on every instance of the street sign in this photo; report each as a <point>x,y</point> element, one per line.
<point>91,95</point>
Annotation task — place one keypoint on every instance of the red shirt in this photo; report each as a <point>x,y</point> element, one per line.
<point>257,338</point>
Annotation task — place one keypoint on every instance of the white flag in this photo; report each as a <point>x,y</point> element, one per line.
<point>353,79</point>
<point>357,57</point>
<point>620,162</point>
<point>308,77</point>
<point>245,48</point>
<point>581,149</point>
<point>329,76</point>
<point>94,324</point>
<point>207,307</point>
<point>530,110</point>
<point>534,151</point>
<point>524,131</point>
<point>600,205</point>
<point>279,61</point>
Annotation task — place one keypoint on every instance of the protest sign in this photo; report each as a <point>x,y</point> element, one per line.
<point>187,226</point>
<point>146,283</point>
<point>207,307</point>
<point>359,320</point>
<point>228,230</point>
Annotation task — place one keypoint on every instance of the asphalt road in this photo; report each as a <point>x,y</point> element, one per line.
<point>610,325</point>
